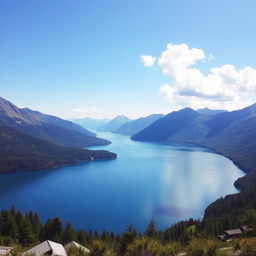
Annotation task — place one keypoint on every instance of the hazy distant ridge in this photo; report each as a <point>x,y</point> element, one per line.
<point>114,124</point>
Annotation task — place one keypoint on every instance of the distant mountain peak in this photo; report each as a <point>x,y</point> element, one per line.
<point>208,111</point>
<point>134,126</point>
<point>115,123</point>
<point>122,117</point>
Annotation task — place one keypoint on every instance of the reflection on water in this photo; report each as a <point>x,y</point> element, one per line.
<point>171,182</point>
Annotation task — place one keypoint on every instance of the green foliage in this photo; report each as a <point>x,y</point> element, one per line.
<point>145,246</point>
<point>53,229</point>
<point>247,246</point>
<point>126,239</point>
<point>249,219</point>
<point>151,229</point>
<point>74,251</point>
<point>101,248</point>
<point>26,235</point>
<point>232,205</point>
<point>69,234</point>
<point>202,247</point>
<point>197,236</point>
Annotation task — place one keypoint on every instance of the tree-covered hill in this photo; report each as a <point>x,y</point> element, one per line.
<point>47,127</point>
<point>22,152</point>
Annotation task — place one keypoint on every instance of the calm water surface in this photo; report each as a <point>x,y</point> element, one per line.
<point>170,182</point>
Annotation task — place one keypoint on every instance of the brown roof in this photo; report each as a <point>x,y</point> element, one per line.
<point>233,232</point>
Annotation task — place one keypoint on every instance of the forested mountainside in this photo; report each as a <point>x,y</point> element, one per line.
<point>22,152</point>
<point>47,127</point>
<point>232,206</point>
<point>232,134</point>
<point>135,126</point>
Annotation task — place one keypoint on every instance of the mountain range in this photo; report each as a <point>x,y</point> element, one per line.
<point>135,126</point>
<point>114,124</point>
<point>232,134</point>
<point>91,123</point>
<point>51,128</point>
<point>207,111</point>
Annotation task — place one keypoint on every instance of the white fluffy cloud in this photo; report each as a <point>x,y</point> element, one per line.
<point>224,87</point>
<point>147,60</point>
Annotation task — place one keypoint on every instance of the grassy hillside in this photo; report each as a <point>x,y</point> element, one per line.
<point>22,152</point>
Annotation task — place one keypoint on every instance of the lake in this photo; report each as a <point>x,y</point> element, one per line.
<point>170,182</point>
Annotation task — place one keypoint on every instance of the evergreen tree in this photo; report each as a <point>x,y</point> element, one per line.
<point>69,234</point>
<point>53,230</point>
<point>126,239</point>
<point>81,237</point>
<point>151,229</point>
<point>26,235</point>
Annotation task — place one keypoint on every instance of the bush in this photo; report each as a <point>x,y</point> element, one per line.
<point>248,246</point>
<point>199,247</point>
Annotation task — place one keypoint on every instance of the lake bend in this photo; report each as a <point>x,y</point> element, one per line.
<point>170,182</point>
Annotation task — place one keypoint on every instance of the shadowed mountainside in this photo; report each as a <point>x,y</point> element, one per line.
<point>47,127</point>
<point>22,152</point>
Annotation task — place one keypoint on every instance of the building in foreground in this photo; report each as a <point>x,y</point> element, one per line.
<point>4,250</point>
<point>47,247</point>
<point>233,233</point>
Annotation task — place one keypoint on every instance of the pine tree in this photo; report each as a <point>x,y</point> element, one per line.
<point>69,234</point>
<point>151,229</point>
<point>26,235</point>
<point>81,236</point>
<point>53,229</point>
<point>126,239</point>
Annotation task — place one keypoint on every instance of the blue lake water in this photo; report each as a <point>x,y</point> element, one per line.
<point>171,182</point>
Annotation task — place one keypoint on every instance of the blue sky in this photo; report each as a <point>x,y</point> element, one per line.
<point>75,58</point>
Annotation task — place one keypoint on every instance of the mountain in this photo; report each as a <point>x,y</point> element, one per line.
<point>137,125</point>
<point>232,134</point>
<point>207,111</point>
<point>175,123</point>
<point>47,127</point>
<point>22,152</point>
<point>114,124</point>
<point>91,123</point>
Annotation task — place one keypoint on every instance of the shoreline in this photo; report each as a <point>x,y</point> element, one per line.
<point>59,166</point>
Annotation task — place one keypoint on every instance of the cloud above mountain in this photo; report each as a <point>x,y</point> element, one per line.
<point>223,87</point>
